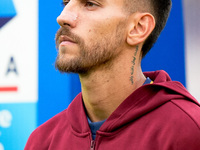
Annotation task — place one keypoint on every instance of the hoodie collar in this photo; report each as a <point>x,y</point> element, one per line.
<point>140,102</point>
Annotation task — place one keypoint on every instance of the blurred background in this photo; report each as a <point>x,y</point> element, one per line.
<point>32,91</point>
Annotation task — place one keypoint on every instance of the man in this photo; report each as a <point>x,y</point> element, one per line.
<point>120,107</point>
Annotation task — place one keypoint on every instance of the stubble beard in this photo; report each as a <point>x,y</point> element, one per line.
<point>99,52</point>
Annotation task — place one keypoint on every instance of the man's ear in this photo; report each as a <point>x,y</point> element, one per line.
<point>140,27</point>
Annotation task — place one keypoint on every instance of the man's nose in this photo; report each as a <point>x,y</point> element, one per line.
<point>68,16</point>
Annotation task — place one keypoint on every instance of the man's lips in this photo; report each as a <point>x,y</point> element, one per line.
<point>63,39</point>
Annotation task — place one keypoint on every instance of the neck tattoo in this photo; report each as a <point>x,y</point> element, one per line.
<point>133,65</point>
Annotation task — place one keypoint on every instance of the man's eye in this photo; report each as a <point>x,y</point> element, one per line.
<point>64,3</point>
<point>90,4</point>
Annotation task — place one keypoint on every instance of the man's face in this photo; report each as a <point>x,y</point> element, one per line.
<point>92,34</point>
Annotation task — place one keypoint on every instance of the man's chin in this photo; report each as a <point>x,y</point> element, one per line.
<point>69,67</point>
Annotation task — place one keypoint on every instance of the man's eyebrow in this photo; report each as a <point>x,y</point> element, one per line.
<point>101,1</point>
<point>97,0</point>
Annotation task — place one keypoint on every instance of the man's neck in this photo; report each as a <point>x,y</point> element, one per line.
<point>104,90</point>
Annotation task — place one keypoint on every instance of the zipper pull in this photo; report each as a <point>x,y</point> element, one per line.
<point>92,145</point>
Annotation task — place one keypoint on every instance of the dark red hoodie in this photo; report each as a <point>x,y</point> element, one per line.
<point>158,116</point>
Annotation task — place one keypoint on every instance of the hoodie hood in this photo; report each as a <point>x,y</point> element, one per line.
<point>142,101</point>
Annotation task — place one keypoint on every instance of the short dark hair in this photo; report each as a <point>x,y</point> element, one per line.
<point>160,9</point>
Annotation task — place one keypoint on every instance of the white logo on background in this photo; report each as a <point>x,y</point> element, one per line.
<point>5,119</point>
<point>1,147</point>
<point>5,122</point>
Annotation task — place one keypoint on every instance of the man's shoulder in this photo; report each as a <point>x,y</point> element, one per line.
<point>42,135</point>
<point>178,117</point>
<point>189,109</point>
<point>177,122</point>
<point>187,124</point>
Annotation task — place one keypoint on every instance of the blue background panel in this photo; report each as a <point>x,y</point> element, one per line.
<point>55,89</point>
<point>168,53</point>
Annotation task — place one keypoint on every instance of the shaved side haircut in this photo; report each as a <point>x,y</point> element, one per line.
<point>160,9</point>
